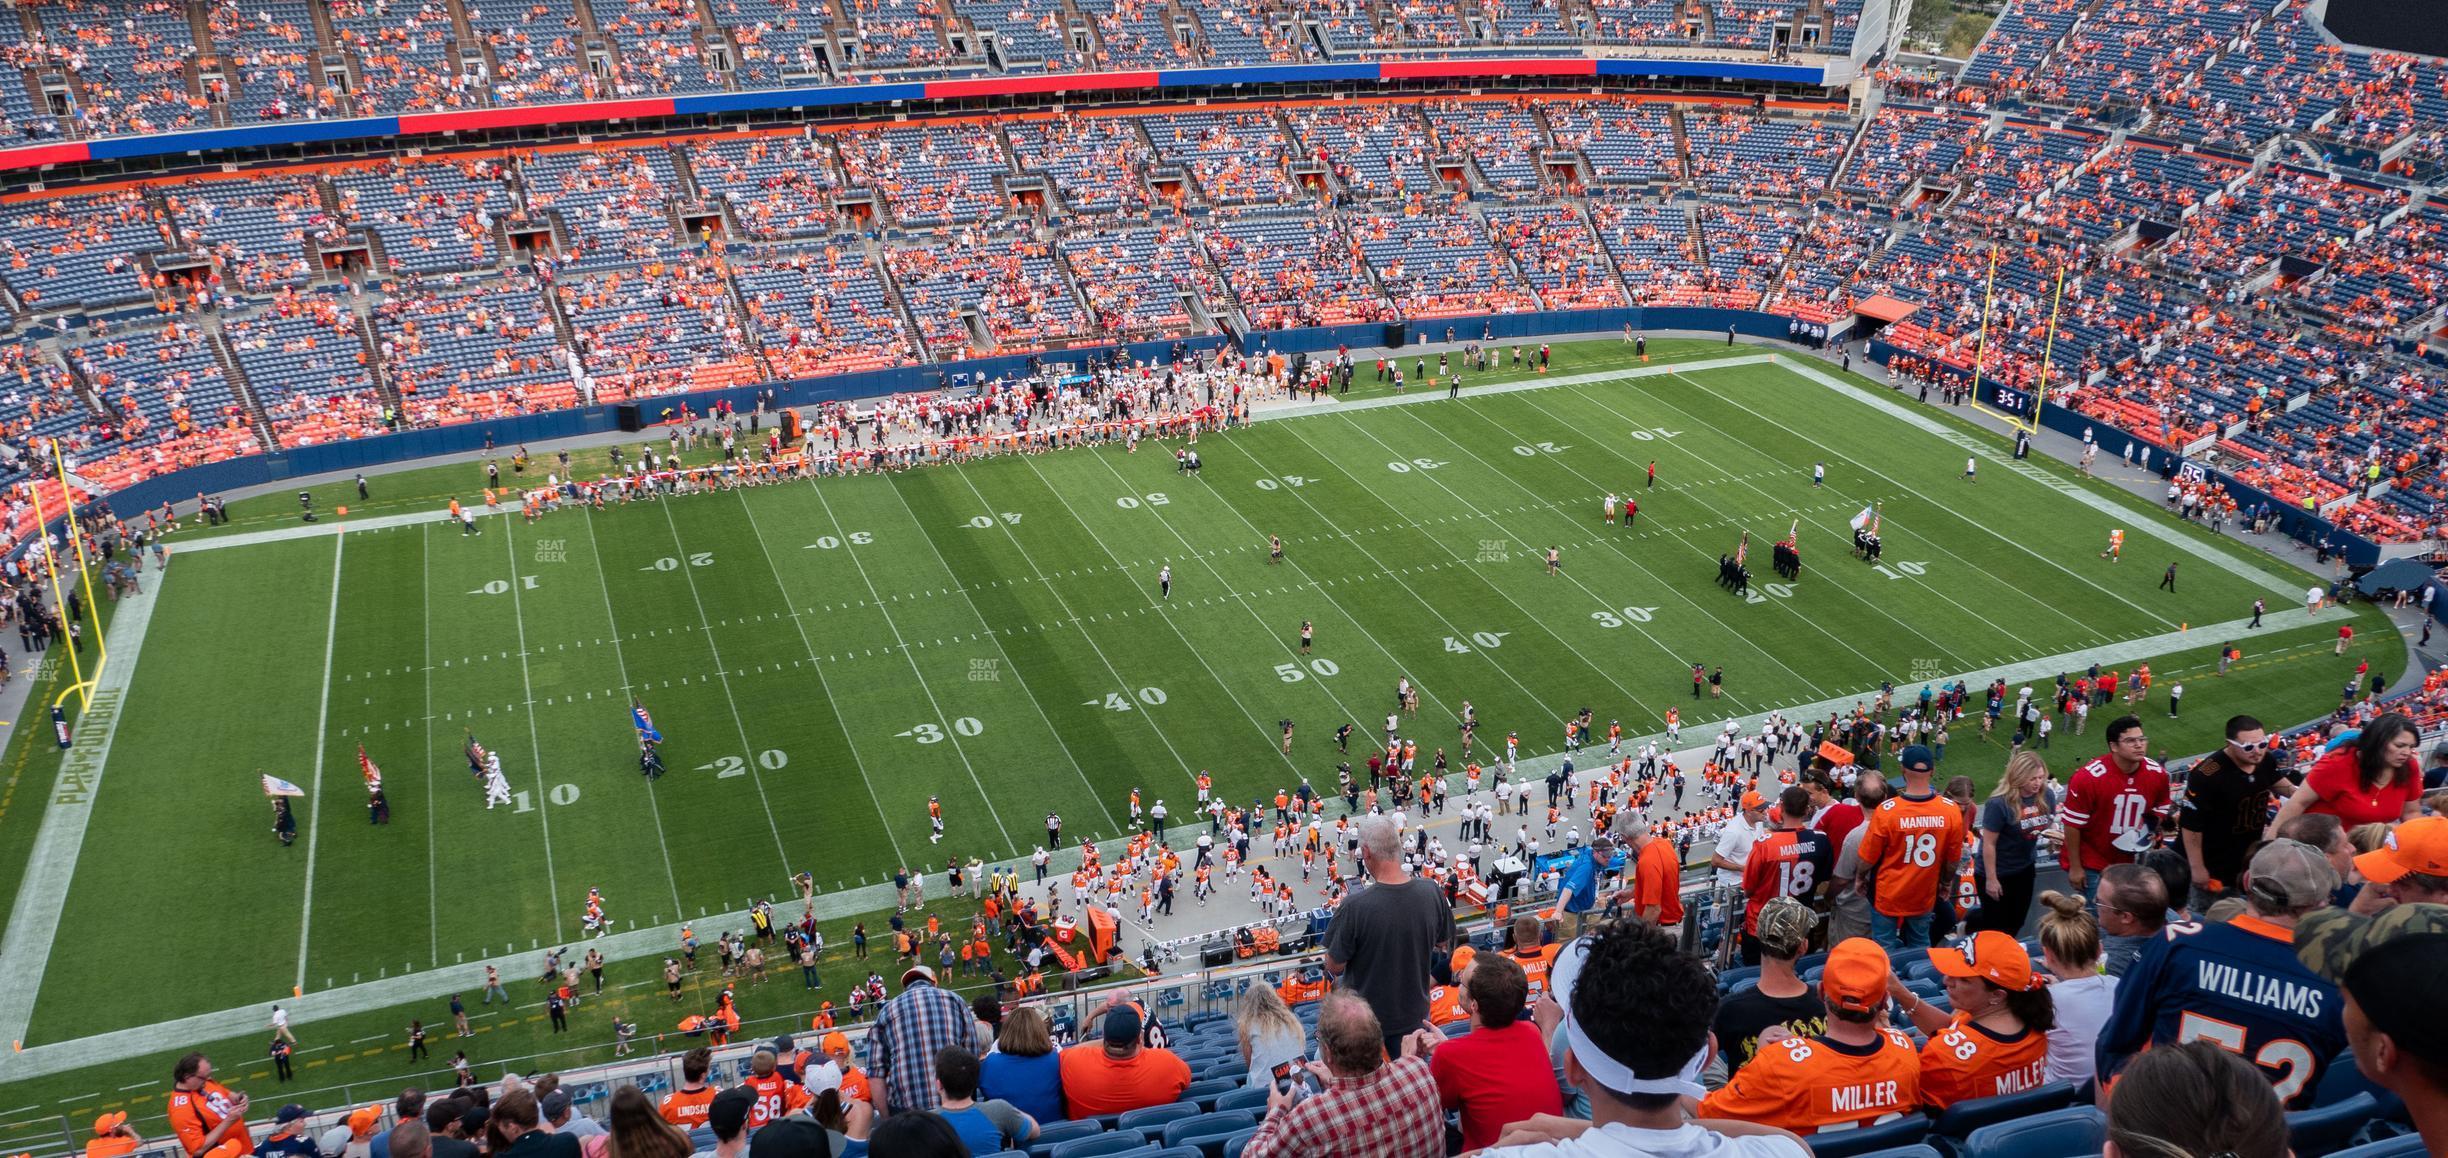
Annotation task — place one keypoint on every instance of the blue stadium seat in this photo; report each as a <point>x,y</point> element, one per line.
<point>1916,1150</point>
<point>1960,1119</point>
<point>2401,1146</point>
<point>1245,1098</point>
<point>2342,1081</point>
<point>1152,1118</point>
<point>1903,1131</point>
<point>1172,1152</point>
<point>1052,1132</point>
<point>701,1138</point>
<point>2325,1128</point>
<point>2078,1132</point>
<point>1222,1125</point>
<point>1233,1145</point>
<point>1206,1092</point>
<point>1102,1144</point>
<point>1230,1069</point>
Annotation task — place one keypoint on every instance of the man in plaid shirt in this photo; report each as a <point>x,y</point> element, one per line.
<point>901,1048</point>
<point>1370,1107</point>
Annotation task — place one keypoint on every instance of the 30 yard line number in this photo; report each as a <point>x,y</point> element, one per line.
<point>934,734</point>
<point>1628,615</point>
<point>828,542</point>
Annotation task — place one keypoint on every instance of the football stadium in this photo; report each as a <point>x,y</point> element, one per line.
<point>1174,578</point>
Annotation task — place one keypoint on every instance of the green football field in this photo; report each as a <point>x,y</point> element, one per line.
<point>823,658</point>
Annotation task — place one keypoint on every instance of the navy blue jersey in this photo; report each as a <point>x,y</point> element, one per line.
<point>2238,984</point>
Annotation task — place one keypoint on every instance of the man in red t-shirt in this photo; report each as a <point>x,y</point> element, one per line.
<point>2111,805</point>
<point>1832,812</point>
<point>1480,1072</point>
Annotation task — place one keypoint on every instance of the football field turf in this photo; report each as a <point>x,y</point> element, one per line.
<point>823,658</point>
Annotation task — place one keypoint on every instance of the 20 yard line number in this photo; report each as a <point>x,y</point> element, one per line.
<point>930,733</point>
<point>668,563</point>
<point>723,768</point>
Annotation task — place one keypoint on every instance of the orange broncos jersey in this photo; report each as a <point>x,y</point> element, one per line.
<point>1965,1062</point>
<point>194,1113</point>
<point>1809,1084</point>
<point>687,1109</point>
<point>1912,842</point>
<point>776,1097</point>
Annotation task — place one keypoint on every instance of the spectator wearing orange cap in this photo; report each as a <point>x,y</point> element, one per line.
<point>1857,1073</point>
<point>208,1118</point>
<point>112,1137</point>
<point>1997,1040</point>
<point>2412,868</point>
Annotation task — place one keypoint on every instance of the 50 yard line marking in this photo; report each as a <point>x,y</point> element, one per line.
<point>535,741</point>
<point>314,799</point>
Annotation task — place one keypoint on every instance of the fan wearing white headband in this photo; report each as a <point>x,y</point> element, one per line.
<point>1635,1015</point>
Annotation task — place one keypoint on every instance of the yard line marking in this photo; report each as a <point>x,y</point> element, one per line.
<point>1034,702</point>
<point>1901,489</point>
<point>1602,446</point>
<point>1168,625</point>
<point>1921,582</point>
<point>826,687</point>
<point>1301,570</point>
<point>535,741</point>
<point>754,776</point>
<point>1527,617</point>
<point>958,748</point>
<point>620,661</point>
<point>1504,670</point>
<point>433,870</point>
<point>314,799</point>
<point>2088,497</point>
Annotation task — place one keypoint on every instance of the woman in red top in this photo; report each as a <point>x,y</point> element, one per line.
<point>2374,780</point>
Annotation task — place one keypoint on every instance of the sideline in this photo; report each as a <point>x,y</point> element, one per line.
<point>42,896</point>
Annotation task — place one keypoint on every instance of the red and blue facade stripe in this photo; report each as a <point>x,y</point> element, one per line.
<point>409,125</point>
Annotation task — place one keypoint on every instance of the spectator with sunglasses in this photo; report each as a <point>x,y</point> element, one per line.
<point>2227,801</point>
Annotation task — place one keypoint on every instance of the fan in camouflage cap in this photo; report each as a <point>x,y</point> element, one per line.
<point>2386,966</point>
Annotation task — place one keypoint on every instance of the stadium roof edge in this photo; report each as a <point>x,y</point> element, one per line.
<point>409,125</point>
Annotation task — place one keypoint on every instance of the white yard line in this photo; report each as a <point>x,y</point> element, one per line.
<point>908,655</point>
<point>433,861</point>
<point>747,749</point>
<point>1602,446</point>
<point>1452,629</point>
<point>1158,602</point>
<point>1627,556</point>
<point>799,624</point>
<point>620,664</point>
<point>1998,581</point>
<point>535,739</point>
<point>34,918</point>
<point>2090,497</point>
<point>1527,617</point>
<point>314,791</point>
<point>1273,632</point>
<point>996,638</point>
